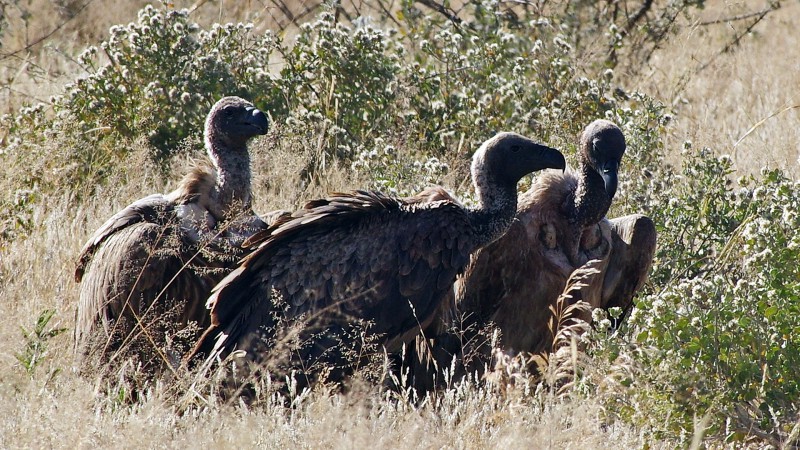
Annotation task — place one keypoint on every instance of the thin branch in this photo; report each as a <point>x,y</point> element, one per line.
<point>638,15</point>
<point>686,77</point>
<point>441,9</point>
<point>388,13</point>
<point>736,18</point>
<point>735,42</point>
<point>286,13</point>
<point>307,11</point>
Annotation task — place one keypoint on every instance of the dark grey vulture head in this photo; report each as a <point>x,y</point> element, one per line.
<point>507,157</point>
<point>232,121</point>
<point>602,147</point>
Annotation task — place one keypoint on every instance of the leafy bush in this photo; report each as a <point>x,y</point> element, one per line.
<point>161,74</point>
<point>438,91</point>
<point>715,336</point>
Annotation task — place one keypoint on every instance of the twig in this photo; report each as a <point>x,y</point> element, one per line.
<point>736,18</point>
<point>286,13</point>
<point>388,13</point>
<point>197,5</point>
<point>441,9</point>
<point>761,122</point>
<point>735,42</point>
<point>686,77</point>
<point>24,94</point>
<point>308,8</point>
<point>638,16</point>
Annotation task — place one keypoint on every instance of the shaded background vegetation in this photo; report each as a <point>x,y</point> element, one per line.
<point>395,96</point>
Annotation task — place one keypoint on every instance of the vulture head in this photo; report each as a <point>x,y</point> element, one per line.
<point>507,157</point>
<point>232,121</point>
<point>602,147</point>
<point>497,166</point>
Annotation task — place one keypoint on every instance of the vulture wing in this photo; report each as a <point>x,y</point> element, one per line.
<point>148,209</point>
<point>140,273</point>
<point>351,256</point>
<point>145,266</point>
<point>632,251</point>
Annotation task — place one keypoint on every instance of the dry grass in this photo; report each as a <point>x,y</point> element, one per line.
<point>64,410</point>
<point>753,86</point>
<point>717,107</point>
<point>69,417</point>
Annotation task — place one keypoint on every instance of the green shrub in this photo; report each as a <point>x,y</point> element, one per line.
<point>37,341</point>
<point>716,335</point>
<point>430,90</point>
<point>158,77</point>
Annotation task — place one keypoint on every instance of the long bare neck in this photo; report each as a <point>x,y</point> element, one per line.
<point>590,201</point>
<point>232,193</point>
<point>497,205</point>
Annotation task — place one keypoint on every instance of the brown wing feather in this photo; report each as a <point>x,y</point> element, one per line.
<point>346,254</point>
<point>634,245</point>
<point>138,275</point>
<point>147,209</point>
<point>142,271</point>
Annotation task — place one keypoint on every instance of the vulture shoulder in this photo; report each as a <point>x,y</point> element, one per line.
<point>152,209</point>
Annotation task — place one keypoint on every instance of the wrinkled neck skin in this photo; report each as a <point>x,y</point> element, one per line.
<point>232,191</point>
<point>494,213</point>
<point>590,201</point>
<point>586,206</point>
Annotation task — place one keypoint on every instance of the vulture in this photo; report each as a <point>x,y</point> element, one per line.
<point>354,272</point>
<point>511,283</point>
<point>145,274</point>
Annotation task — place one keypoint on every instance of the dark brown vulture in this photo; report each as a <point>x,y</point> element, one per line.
<point>362,267</point>
<point>146,273</point>
<point>559,226</point>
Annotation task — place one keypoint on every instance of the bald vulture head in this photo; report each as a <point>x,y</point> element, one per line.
<point>507,157</point>
<point>231,122</point>
<point>602,147</point>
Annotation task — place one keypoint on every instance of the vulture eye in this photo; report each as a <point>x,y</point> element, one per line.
<point>515,148</point>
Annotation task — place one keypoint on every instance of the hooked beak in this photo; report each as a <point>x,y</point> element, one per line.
<point>609,173</point>
<point>257,119</point>
<point>550,158</point>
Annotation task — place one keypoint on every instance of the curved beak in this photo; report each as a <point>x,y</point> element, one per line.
<point>257,119</point>
<point>609,173</point>
<point>550,158</point>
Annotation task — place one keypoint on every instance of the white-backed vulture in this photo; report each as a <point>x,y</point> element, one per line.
<point>145,274</point>
<point>363,263</point>
<point>511,283</point>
